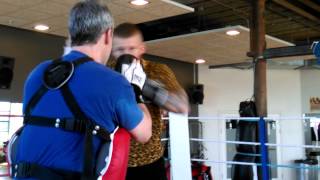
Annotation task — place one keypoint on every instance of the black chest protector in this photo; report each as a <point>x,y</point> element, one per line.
<point>56,77</point>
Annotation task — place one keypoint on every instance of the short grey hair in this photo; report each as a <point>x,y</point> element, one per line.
<point>88,20</point>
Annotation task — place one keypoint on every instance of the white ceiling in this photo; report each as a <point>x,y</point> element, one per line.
<point>214,46</point>
<point>27,13</point>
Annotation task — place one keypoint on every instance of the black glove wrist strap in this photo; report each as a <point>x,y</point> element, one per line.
<point>138,93</point>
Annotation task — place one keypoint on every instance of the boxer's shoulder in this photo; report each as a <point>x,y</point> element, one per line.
<point>153,65</point>
<point>155,69</point>
<point>111,63</point>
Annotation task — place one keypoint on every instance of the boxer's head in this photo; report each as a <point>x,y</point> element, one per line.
<point>128,39</point>
<point>91,26</point>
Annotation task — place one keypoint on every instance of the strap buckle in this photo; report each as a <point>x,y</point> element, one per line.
<point>77,125</point>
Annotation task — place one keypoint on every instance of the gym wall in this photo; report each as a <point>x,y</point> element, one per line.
<point>29,49</point>
<point>310,87</point>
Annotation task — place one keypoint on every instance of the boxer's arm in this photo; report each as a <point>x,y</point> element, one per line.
<point>132,116</point>
<point>142,132</point>
<point>178,101</point>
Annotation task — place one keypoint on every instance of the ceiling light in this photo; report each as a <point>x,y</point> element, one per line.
<point>200,61</point>
<point>41,27</point>
<point>233,32</point>
<point>139,2</point>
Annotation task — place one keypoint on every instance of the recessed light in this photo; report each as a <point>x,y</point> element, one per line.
<point>139,2</point>
<point>41,27</point>
<point>233,32</point>
<point>200,61</point>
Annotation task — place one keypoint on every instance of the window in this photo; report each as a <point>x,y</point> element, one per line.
<point>10,119</point>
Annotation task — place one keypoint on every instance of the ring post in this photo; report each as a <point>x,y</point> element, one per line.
<point>264,149</point>
<point>179,147</point>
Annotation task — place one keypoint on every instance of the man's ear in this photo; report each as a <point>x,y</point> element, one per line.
<point>108,36</point>
<point>143,48</point>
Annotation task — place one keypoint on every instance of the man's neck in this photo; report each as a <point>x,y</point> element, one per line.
<point>91,51</point>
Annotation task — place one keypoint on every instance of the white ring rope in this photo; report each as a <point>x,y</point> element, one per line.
<point>292,146</point>
<point>208,118</point>
<point>254,143</point>
<point>220,118</point>
<point>225,162</point>
<point>228,142</point>
<point>258,164</point>
<point>223,118</point>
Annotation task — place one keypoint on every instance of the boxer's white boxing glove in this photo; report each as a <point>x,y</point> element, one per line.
<point>133,71</point>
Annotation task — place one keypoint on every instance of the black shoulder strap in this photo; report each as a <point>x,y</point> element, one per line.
<point>71,101</point>
<point>88,168</point>
<point>81,60</point>
<point>35,99</point>
<point>42,90</point>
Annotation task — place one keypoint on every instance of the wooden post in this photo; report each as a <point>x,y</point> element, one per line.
<point>258,45</point>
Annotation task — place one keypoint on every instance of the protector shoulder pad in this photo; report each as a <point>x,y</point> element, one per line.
<point>57,74</point>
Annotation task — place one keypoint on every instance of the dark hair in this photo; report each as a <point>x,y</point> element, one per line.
<point>87,21</point>
<point>126,30</point>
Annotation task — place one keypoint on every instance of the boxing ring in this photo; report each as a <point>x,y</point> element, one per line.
<point>179,146</point>
<point>181,122</point>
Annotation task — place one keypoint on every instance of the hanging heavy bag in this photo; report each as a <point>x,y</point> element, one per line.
<point>246,130</point>
<point>240,172</point>
<point>248,109</point>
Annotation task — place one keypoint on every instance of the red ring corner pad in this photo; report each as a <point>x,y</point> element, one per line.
<point>119,160</point>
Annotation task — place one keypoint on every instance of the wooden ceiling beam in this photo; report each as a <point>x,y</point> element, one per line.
<point>278,10</point>
<point>297,10</point>
<point>228,12</point>
<point>286,27</point>
<point>302,37</point>
<point>311,4</point>
<point>303,31</point>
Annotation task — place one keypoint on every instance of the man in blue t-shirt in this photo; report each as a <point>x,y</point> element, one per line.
<point>104,96</point>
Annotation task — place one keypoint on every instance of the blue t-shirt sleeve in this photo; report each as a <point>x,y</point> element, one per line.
<point>128,112</point>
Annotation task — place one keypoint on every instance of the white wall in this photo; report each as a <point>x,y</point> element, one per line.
<point>310,84</point>
<point>224,89</point>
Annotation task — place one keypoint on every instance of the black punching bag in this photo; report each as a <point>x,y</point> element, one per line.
<point>246,131</point>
